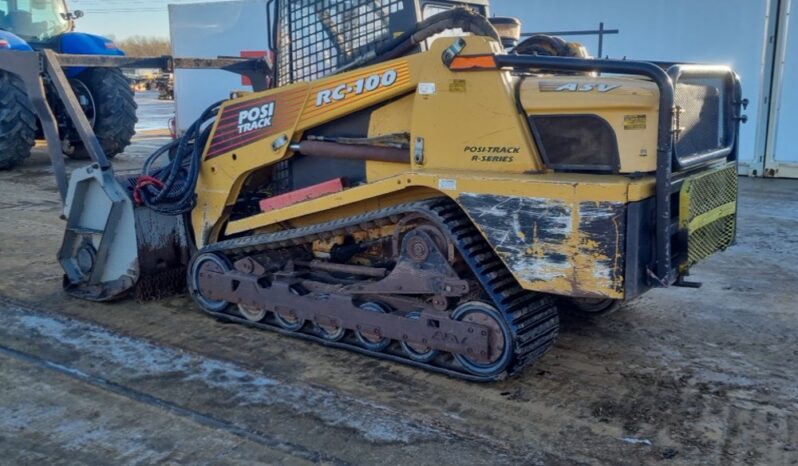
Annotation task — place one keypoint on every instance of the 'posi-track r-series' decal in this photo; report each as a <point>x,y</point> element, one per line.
<point>249,121</point>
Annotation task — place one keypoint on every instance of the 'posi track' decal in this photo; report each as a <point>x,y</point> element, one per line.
<point>246,122</point>
<point>255,118</point>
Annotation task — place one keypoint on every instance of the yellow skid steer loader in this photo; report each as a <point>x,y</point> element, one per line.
<point>420,187</point>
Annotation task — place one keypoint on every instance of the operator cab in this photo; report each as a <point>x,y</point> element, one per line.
<point>36,20</point>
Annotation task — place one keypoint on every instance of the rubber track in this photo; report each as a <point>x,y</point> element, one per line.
<point>532,317</point>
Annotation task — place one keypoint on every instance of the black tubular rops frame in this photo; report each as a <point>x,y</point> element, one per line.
<point>665,273</point>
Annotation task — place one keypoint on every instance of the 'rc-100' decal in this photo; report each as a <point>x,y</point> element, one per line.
<point>359,87</point>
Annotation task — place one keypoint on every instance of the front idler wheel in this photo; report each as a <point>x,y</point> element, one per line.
<point>372,340</point>
<point>207,263</point>
<point>499,339</point>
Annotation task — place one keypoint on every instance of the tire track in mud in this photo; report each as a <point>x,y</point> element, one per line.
<point>216,392</point>
<point>144,360</point>
<point>141,397</point>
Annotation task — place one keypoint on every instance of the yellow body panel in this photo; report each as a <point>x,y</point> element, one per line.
<point>475,145</point>
<point>470,120</point>
<point>573,188</point>
<point>393,118</point>
<point>629,105</point>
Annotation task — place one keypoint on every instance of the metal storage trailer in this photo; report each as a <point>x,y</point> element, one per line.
<point>208,30</point>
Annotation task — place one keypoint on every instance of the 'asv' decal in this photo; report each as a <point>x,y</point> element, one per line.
<point>547,86</point>
<point>359,87</point>
<point>255,118</point>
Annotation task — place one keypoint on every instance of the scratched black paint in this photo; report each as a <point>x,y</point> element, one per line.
<point>530,234</point>
<point>604,224</point>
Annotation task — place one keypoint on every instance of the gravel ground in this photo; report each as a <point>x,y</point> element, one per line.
<point>680,376</point>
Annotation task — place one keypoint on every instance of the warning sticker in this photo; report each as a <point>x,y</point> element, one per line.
<point>634,121</point>
<point>447,184</point>
<point>457,85</point>
<point>426,88</point>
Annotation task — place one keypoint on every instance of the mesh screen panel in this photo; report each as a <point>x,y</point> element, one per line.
<point>317,37</point>
<point>705,195</point>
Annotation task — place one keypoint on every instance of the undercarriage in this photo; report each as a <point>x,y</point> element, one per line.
<point>415,283</point>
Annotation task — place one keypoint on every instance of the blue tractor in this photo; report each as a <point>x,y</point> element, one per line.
<point>104,94</point>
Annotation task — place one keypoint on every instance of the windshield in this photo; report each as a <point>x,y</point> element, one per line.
<point>34,20</point>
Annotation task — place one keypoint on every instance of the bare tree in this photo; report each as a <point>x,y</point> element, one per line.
<point>140,46</point>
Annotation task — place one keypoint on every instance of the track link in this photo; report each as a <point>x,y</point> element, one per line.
<point>531,317</point>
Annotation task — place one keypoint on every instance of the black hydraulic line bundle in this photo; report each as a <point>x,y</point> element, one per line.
<point>169,189</point>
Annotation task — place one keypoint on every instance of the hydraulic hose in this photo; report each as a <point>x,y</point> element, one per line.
<point>456,18</point>
<point>169,188</point>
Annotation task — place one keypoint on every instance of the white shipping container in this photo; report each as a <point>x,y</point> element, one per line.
<point>210,30</point>
<point>782,152</point>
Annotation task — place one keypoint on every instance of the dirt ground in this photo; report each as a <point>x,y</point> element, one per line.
<point>681,376</point>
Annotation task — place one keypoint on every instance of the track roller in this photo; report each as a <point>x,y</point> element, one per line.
<point>418,352</point>
<point>372,341</point>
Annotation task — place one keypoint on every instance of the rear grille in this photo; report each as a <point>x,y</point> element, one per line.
<point>708,208</point>
<point>700,112</point>
<point>319,36</point>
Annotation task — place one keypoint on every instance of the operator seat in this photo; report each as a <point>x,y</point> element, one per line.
<point>21,23</point>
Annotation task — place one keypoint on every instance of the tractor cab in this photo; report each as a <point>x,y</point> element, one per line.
<point>104,93</point>
<point>36,20</point>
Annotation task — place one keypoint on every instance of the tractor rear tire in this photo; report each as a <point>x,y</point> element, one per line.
<point>17,122</point>
<point>114,111</point>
